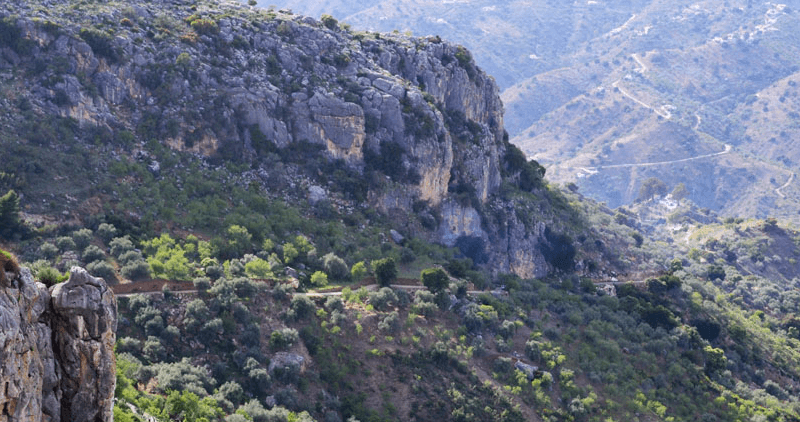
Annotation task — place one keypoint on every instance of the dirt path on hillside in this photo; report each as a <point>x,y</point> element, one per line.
<point>644,67</point>
<point>150,287</point>
<point>661,111</point>
<point>596,169</point>
<point>622,27</point>
<point>785,185</point>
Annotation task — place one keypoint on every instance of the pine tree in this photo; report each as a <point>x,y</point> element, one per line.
<point>10,223</point>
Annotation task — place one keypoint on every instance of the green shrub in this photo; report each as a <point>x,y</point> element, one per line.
<point>503,365</point>
<point>329,21</point>
<point>50,276</point>
<point>65,243</point>
<point>334,303</point>
<point>240,241</point>
<point>319,279</point>
<point>435,279</point>
<point>198,310</point>
<point>385,271</point>
<point>11,35</point>
<point>214,272</point>
<point>204,26</point>
<point>637,238</point>
<point>258,268</point>
<point>11,225</point>
<point>283,338</point>
<point>715,359</point>
<point>155,326</point>
<point>507,329</point>
<point>358,271</point>
<point>529,173</point>
<point>424,303</point>
<point>92,253</point>
<point>48,250</point>
<point>129,257</point>
<point>136,270</point>
<point>254,409</point>
<point>283,29</point>
<point>232,392</point>
<point>459,267</point>
<point>383,299</point>
<point>245,288</point>
<point>102,269</point>
<point>120,245</point>
<point>391,323</point>
<point>183,375</point>
<point>212,330</point>
<point>129,345</point>
<point>102,43</point>
<point>335,266</point>
<point>302,306</point>
<point>463,56</point>
<point>153,350</point>
<point>407,256</point>
<point>106,231</point>
<point>202,284</point>
<point>82,238</point>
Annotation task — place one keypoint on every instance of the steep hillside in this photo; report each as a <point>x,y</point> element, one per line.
<point>711,338</point>
<point>308,112</point>
<point>609,94</point>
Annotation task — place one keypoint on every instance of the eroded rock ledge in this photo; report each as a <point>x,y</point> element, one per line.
<point>56,348</point>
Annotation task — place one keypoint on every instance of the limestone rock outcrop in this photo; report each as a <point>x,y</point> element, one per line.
<point>22,305</point>
<point>414,116</point>
<point>56,349</point>
<point>84,328</point>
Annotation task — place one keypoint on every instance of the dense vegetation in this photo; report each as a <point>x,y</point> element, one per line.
<point>675,347</point>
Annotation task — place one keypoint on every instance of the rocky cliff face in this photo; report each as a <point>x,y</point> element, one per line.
<point>254,80</point>
<point>56,349</point>
<point>228,81</point>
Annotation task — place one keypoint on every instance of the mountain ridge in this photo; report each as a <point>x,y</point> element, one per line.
<point>718,69</point>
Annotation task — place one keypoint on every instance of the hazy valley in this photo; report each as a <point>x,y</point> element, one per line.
<point>608,94</point>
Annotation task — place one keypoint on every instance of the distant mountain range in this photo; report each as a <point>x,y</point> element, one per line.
<point>607,94</point>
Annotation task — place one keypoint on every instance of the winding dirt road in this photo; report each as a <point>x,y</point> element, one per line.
<point>593,170</point>
<point>785,185</point>
<point>661,111</point>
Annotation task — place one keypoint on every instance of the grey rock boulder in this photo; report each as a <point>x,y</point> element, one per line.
<point>286,360</point>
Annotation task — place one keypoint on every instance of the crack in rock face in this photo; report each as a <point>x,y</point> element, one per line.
<point>57,349</point>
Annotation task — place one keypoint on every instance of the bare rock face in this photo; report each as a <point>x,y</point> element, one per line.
<point>21,371</point>
<point>56,351</point>
<point>84,326</point>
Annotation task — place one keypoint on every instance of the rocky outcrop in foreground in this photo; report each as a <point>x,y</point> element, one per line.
<point>56,348</point>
